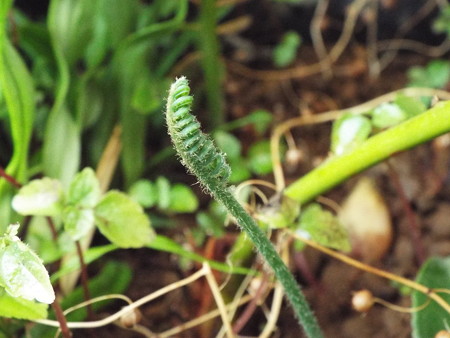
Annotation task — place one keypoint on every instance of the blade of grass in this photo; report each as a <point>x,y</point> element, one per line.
<point>18,91</point>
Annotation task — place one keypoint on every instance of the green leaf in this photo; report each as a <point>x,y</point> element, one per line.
<point>163,188</point>
<point>70,24</point>
<point>261,119</point>
<point>260,161</point>
<point>61,142</point>
<point>90,102</point>
<point>286,51</point>
<point>148,94</point>
<point>324,228</point>
<point>387,115</point>
<point>349,131</point>
<point>122,221</point>
<point>42,197</point>
<point>435,75</point>
<point>144,192</point>
<point>280,212</point>
<point>228,143</point>
<point>213,221</point>
<point>84,190</point>
<point>209,225</point>
<point>412,106</point>
<point>62,146</point>
<point>18,91</point>
<point>434,273</point>
<point>98,46</point>
<point>22,273</point>
<point>20,308</point>
<point>182,199</point>
<point>239,170</point>
<point>78,221</point>
<point>127,66</point>
<point>442,23</point>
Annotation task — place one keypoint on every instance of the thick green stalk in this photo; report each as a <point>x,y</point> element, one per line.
<point>424,127</point>
<point>202,158</point>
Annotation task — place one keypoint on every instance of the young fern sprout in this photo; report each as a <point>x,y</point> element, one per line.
<point>208,164</point>
<point>196,149</point>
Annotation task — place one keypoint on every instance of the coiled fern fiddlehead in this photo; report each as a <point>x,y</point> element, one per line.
<point>201,157</point>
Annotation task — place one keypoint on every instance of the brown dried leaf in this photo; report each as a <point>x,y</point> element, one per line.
<point>366,217</point>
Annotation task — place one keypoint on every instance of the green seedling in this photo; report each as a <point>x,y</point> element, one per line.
<point>435,75</point>
<point>82,207</point>
<point>170,198</point>
<point>286,51</point>
<point>257,160</point>
<point>442,23</point>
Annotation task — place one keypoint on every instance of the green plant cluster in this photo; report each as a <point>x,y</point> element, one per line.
<point>82,207</point>
<point>67,82</point>
<point>350,130</point>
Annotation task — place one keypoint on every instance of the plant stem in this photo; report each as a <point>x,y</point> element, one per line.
<point>61,319</point>
<point>426,126</point>
<point>52,227</point>
<point>84,279</point>
<point>10,179</point>
<point>205,161</point>
<point>267,250</point>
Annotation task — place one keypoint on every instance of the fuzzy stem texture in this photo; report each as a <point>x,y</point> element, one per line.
<point>270,255</point>
<point>207,163</point>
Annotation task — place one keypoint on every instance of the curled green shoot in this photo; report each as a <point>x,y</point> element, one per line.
<point>208,164</point>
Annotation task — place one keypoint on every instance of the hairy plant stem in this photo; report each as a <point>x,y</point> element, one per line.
<point>267,250</point>
<point>204,160</point>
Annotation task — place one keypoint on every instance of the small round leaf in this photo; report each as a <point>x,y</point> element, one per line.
<point>123,221</point>
<point>348,132</point>
<point>78,221</point>
<point>84,190</point>
<point>22,273</point>
<point>144,192</point>
<point>182,199</point>
<point>41,197</point>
